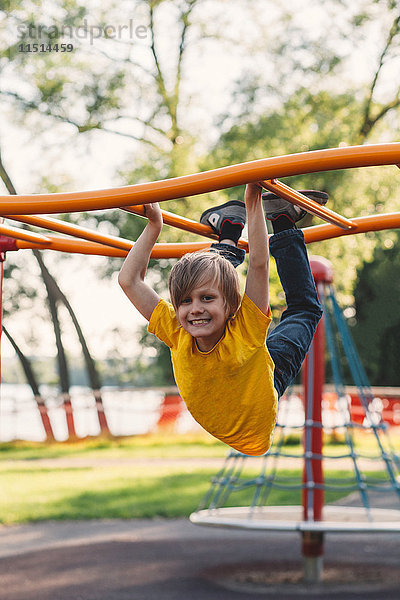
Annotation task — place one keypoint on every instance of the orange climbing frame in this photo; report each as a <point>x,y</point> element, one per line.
<point>311,206</point>
<point>70,229</point>
<point>200,183</point>
<point>316,233</point>
<point>132,198</point>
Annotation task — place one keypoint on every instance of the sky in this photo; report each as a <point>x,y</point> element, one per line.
<point>100,304</point>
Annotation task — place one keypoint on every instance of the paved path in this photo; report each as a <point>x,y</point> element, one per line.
<point>85,462</point>
<point>175,560</point>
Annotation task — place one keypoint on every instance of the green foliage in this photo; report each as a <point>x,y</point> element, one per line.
<point>377,330</point>
<point>312,121</point>
<point>79,91</point>
<point>18,292</point>
<point>162,373</point>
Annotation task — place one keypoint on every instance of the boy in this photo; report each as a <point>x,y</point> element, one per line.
<point>228,374</point>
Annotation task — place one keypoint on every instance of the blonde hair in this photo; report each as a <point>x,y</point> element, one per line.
<point>195,268</point>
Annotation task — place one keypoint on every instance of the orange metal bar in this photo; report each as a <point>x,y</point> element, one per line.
<point>75,230</point>
<point>176,221</point>
<point>309,205</point>
<point>21,234</point>
<point>84,247</point>
<point>317,233</point>
<point>199,183</point>
<point>182,223</point>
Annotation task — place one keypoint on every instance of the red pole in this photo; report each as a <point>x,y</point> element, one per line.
<point>69,415</point>
<point>2,259</point>
<point>101,415</point>
<point>313,381</point>
<point>313,476</point>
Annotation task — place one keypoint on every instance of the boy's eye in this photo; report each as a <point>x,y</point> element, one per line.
<point>208,297</point>
<point>186,301</point>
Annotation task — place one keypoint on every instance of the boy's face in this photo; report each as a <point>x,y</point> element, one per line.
<point>203,314</point>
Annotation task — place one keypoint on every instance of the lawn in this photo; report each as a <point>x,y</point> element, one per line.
<point>103,479</point>
<point>155,445</point>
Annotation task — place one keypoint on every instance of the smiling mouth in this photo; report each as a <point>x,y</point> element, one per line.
<point>199,321</point>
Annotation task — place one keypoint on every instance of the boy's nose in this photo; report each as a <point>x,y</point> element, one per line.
<point>197,308</point>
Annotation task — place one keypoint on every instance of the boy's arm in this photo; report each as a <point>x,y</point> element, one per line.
<point>131,276</point>
<point>258,272</point>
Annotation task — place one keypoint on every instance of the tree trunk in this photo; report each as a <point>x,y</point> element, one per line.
<point>62,362</point>
<point>54,295</point>
<point>31,379</point>
<point>61,357</point>
<point>93,374</point>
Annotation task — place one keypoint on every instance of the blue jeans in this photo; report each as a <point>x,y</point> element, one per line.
<point>289,342</point>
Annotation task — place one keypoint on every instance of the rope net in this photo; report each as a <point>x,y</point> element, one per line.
<point>362,471</point>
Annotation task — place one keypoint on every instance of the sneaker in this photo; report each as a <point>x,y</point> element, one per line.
<point>275,205</point>
<point>233,211</point>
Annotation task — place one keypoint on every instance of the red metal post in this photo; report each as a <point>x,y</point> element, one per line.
<point>313,382</point>
<point>69,415</point>
<point>101,415</point>
<point>2,259</point>
<point>44,415</point>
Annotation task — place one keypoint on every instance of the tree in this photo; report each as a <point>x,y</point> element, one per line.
<point>54,297</point>
<point>34,385</point>
<point>377,328</point>
<point>289,103</point>
<point>316,116</point>
<point>102,100</point>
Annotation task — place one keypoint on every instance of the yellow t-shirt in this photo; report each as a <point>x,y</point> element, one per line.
<point>229,390</point>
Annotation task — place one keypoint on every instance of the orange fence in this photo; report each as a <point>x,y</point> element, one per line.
<point>385,404</point>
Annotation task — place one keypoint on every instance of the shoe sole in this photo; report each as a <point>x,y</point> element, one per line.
<point>217,208</point>
<point>309,193</point>
<point>320,197</point>
<point>229,203</point>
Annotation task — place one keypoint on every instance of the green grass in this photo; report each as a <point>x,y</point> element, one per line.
<point>166,446</point>
<point>31,490</point>
<point>99,493</point>
<point>118,492</point>
<point>157,445</point>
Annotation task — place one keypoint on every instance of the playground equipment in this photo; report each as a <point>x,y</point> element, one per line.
<point>372,474</point>
<point>312,519</point>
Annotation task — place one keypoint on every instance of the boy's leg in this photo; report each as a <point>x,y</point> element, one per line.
<point>289,342</point>
<point>227,220</point>
<point>234,254</point>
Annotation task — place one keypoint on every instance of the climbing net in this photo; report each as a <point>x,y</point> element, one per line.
<point>371,479</point>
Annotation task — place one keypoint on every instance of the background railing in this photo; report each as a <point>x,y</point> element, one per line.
<point>138,411</point>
